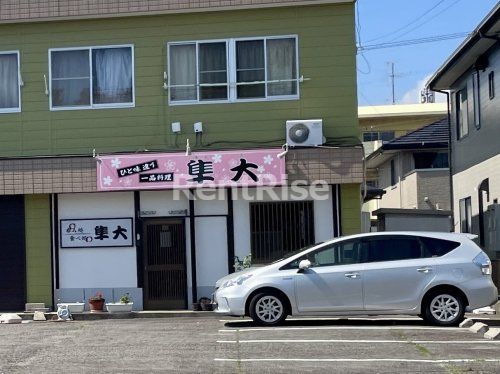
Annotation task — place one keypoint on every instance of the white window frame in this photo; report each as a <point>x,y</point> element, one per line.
<point>19,82</point>
<point>92,105</point>
<point>231,71</point>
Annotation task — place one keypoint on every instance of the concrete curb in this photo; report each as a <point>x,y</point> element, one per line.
<point>87,316</point>
<point>479,328</point>
<point>492,334</point>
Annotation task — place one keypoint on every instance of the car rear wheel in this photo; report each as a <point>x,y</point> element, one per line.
<point>444,308</point>
<point>267,309</point>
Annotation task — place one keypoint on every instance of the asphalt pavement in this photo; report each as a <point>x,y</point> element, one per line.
<point>226,345</point>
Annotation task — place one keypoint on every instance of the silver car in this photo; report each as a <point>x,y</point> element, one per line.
<point>437,276</point>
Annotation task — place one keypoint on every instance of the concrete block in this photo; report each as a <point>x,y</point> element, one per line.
<point>479,328</point>
<point>31,307</point>
<point>493,334</point>
<point>466,323</point>
<point>39,316</point>
<point>10,318</point>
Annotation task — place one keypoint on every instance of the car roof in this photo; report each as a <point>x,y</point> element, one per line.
<point>431,234</point>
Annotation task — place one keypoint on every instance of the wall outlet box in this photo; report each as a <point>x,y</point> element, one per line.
<point>198,127</point>
<point>176,127</point>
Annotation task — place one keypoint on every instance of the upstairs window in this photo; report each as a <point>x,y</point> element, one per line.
<point>491,84</point>
<point>385,136</point>
<point>233,70</point>
<point>430,160</point>
<point>94,77</point>
<point>10,93</point>
<point>393,172</point>
<point>476,103</point>
<point>461,113</point>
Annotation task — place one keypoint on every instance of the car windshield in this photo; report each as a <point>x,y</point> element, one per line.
<point>293,253</point>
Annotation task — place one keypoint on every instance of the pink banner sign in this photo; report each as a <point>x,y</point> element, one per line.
<point>148,171</point>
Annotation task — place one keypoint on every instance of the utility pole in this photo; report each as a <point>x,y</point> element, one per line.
<point>392,83</point>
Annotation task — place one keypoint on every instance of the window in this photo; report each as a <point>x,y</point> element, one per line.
<point>94,77</point>
<point>437,247</point>
<point>491,84</point>
<point>465,215</point>
<point>10,92</point>
<point>233,70</point>
<point>385,136</point>
<point>393,172</point>
<point>430,160</point>
<point>392,248</point>
<point>342,253</point>
<point>461,113</point>
<point>476,102</point>
<point>277,228</point>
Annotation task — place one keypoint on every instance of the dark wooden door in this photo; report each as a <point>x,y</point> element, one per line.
<point>12,254</point>
<point>165,284</point>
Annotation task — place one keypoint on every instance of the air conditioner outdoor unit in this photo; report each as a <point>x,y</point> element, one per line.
<point>304,132</point>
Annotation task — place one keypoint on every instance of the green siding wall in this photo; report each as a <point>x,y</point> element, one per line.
<point>326,55</point>
<point>350,202</point>
<point>38,250</point>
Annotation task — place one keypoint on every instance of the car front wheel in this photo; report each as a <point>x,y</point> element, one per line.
<point>267,309</point>
<point>444,309</point>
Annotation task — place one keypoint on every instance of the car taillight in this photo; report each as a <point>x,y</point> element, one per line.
<point>482,260</point>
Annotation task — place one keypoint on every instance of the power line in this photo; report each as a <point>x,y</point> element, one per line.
<point>358,31</point>
<point>408,24</point>
<point>426,21</point>
<point>402,43</point>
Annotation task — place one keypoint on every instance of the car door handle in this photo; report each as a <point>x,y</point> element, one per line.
<point>352,275</point>
<point>424,270</point>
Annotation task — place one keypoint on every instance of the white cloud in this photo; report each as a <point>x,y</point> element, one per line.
<point>413,96</point>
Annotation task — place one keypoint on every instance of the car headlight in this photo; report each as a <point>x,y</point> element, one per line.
<point>236,281</point>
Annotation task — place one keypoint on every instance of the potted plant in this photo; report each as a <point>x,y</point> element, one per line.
<point>206,304</point>
<point>123,306</point>
<point>96,303</point>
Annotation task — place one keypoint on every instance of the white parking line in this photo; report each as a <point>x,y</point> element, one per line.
<point>360,341</point>
<point>271,329</point>
<point>458,360</point>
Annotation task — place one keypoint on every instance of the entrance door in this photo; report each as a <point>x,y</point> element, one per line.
<point>165,285</point>
<point>12,253</point>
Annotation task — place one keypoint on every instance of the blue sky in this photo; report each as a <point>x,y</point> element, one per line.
<point>379,19</point>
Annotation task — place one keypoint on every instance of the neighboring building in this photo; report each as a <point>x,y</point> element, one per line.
<point>471,75</point>
<point>98,102</point>
<point>409,169</point>
<point>382,123</point>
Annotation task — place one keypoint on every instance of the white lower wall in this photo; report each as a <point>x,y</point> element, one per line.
<point>466,183</point>
<point>211,252</point>
<point>97,267</point>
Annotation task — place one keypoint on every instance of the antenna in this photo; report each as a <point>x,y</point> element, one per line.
<point>392,82</point>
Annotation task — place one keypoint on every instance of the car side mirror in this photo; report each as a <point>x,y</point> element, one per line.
<point>304,265</point>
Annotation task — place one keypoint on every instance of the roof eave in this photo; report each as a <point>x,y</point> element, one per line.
<point>440,80</point>
<point>276,4</point>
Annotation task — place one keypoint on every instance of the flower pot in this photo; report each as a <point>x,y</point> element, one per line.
<point>96,306</point>
<point>119,307</point>
<point>207,307</point>
<point>196,307</point>
<point>74,307</point>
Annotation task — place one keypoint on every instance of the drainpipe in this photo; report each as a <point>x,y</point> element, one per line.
<point>450,165</point>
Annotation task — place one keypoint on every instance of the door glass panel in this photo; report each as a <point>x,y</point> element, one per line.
<point>344,253</point>
<point>393,248</point>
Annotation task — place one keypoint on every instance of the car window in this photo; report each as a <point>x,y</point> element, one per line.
<point>438,247</point>
<point>342,253</point>
<point>392,248</point>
